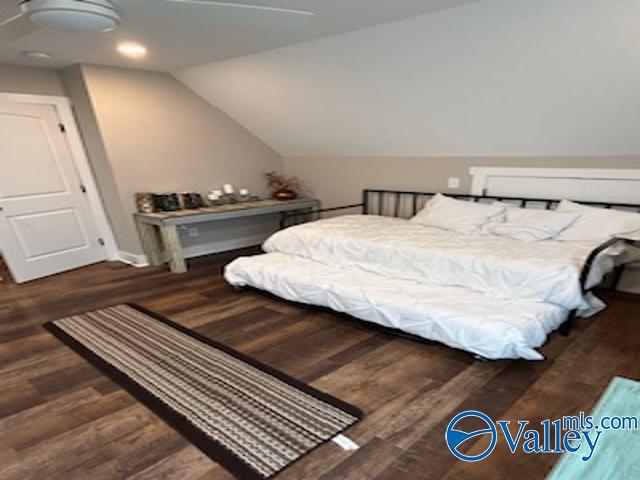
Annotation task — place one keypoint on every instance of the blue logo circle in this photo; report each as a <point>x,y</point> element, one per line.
<point>456,438</point>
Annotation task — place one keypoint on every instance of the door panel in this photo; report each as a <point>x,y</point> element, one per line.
<point>535,187</point>
<point>29,147</point>
<point>47,233</point>
<point>46,225</point>
<point>616,191</point>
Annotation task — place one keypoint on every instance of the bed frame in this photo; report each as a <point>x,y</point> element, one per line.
<point>405,204</point>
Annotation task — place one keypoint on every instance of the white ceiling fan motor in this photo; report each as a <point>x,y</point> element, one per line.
<point>73,15</point>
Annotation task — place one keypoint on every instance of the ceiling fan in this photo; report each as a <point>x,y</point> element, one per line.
<point>24,16</point>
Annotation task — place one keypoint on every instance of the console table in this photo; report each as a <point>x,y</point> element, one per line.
<point>159,231</point>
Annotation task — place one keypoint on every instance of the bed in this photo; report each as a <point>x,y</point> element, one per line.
<point>484,287</point>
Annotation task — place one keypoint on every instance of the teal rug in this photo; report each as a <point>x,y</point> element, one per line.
<point>617,455</point>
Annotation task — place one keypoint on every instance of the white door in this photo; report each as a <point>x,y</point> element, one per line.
<point>46,225</point>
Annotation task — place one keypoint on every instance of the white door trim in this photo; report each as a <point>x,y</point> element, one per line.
<point>64,109</point>
<point>479,174</point>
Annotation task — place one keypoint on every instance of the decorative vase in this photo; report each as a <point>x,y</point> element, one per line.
<point>285,194</point>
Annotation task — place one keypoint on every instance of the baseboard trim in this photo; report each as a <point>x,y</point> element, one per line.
<point>132,259</point>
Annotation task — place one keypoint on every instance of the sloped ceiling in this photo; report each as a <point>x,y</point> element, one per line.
<point>180,35</point>
<point>498,77</point>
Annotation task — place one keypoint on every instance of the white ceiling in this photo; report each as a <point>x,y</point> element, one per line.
<point>186,35</point>
<point>500,78</point>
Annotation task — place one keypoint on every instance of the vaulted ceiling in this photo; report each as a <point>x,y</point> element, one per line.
<point>497,77</point>
<point>181,35</point>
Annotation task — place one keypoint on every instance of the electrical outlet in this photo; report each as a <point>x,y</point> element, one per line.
<point>193,231</point>
<point>453,182</point>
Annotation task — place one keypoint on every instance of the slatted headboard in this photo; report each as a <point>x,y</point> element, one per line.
<point>405,204</point>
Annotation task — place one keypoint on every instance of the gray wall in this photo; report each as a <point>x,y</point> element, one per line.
<point>76,89</point>
<point>28,80</point>
<point>340,180</point>
<point>145,131</point>
<point>492,78</point>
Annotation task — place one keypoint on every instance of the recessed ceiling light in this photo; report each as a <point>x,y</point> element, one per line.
<point>132,50</point>
<point>38,55</point>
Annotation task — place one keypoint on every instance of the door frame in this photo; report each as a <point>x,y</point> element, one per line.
<point>64,109</point>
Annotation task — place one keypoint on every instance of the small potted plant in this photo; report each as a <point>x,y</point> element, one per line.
<point>283,187</point>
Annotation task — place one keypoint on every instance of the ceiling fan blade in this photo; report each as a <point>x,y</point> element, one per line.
<point>15,28</point>
<point>266,8</point>
<point>10,19</point>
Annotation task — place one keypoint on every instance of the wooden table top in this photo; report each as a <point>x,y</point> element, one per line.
<point>268,204</point>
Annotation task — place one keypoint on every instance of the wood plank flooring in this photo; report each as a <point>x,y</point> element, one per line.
<point>61,419</point>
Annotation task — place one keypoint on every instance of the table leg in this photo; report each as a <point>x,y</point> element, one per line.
<point>150,243</point>
<point>172,246</point>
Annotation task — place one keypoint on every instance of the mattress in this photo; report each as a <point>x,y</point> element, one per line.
<point>493,328</point>
<point>500,267</point>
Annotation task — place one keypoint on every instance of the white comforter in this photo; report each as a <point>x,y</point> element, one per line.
<point>489,327</point>
<point>545,272</point>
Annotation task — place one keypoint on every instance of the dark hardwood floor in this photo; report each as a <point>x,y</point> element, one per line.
<point>63,420</point>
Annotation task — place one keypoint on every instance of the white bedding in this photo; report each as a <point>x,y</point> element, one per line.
<point>494,296</point>
<point>457,317</point>
<point>499,267</point>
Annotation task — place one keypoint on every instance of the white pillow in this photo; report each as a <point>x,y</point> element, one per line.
<point>532,225</point>
<point>597,225</point>
<point>498,219</point>
<point>458,215</point>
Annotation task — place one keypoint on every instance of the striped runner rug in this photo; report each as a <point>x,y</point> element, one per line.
<point>248,417</point>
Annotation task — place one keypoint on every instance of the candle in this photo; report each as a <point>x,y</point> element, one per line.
<point>227,188</point>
